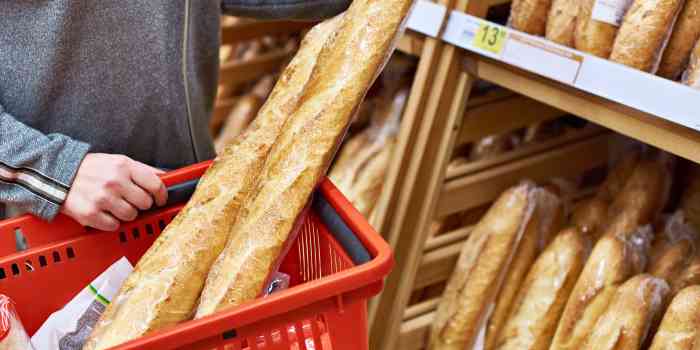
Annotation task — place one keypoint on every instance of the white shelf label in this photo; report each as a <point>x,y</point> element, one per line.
<point>427,18</point>
<point>610,11</point>
<point>542,58</point>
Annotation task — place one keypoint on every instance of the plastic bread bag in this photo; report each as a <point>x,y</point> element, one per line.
<point>644,33</point>
<point>597,25</point>
<point>69,327</point>
<point>636,307</point>
<point>467,303</point>
<point>561,21</point>
<point>346,67</point>
<point>547,219</point>
<point>673,250</point>
<point>691,76</point>
<point>680,327</point>
<point>12,333</point>
<point>544,293</point>
<point>614,259</point>
<point>686,33</point>
<point>529,16</point>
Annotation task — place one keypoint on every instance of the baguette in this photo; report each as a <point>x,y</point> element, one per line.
<point>167,281</point>
<point>529,16</point>
<point>546,220</point>
<point>673,250</point>
<point>613,260</point>
<point>491,146</point>
<point>637,305</point>
<point>680,326</point>
<point>589,215</point>
<point>369,182</point>
<point>617,177</point>
<point>690,276</point>
<point>346,67</point>
<point>685,34</point>
<point>592,36</point>
<point>690,201</point>
<point>544,293</point>
<point>482,263</point>
<point>691,76</point>
<point>561,22</point>
<point>644,33</point>
<point>240,117</point>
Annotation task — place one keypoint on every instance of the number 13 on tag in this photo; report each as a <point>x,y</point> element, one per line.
<point>490,38</point>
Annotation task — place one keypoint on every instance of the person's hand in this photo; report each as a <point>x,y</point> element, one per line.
<point>108,188</point>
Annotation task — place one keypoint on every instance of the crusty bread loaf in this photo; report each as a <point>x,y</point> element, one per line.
<point>529,16</point>
<point>561,22</point>
<point>346,67</point>
<point>636,306</point>
<point>690,202</point>
<point>644,32</point>
<point>592,36</point>
<point>490,146</point>
<point>482,263</point>
<point>370,180</point>
<point>690,276</point>
<point>617,177</point>
<point>613,260</point>
<point>673,250</point>
<point>680,327</point>
<point>691,76</point>
<point>547,218</point>
<point>543,294</point>
<point>167,281</point>
<point>589,215</point>
<point>241,116</point>
<point>13,336</point>
<point>686,33</point>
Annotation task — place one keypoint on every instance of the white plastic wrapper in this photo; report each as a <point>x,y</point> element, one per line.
<point>12,333</point>
<point>69,328</point>
<point>278,282</point>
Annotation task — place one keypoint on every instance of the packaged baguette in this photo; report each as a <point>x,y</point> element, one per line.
<point>529,16</point>
<point>561,21</point>
<point>346,67</point>
<point>166,283</point>
<point>636,306</point>
<point>673,250</point>
<point>644,33</point>
<point>544,293</point>
<point>685,34</point>
<point>591,35</point>
<point>589,215</point>
<point>614,259</point>
<point>12,333</point>
<point>482,265</point>
<point>691,76</point>
<point>547,219</point>
<point>680,327</point>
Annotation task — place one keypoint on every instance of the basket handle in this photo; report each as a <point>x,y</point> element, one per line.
<point>340,231</point>
<point>181,192</point>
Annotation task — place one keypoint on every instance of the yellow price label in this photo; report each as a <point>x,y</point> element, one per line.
<point>490,37</point>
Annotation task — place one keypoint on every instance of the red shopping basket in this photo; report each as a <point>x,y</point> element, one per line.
<point>324,308</point>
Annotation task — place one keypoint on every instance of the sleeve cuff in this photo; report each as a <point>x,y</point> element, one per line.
<point>67,163</point>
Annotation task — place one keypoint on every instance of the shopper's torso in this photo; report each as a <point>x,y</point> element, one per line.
<point>128,77</point>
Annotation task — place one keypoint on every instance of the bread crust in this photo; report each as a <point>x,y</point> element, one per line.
<point>681,323</point>
<point>529,16</point>
<point>593,36</point>
<point>691,76</point>
<point>644,33</point>
<point>685,34</point>
<point>561,21</point>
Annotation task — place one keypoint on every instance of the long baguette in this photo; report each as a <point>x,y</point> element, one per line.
<point>167,281</point>
<point>529,16</point>
<point>547,219</point>
<point>544,293</point>
<point>691,76</point>
<point>680,327</point>
<point>593,36</point>
<point>685,34</point>
<point>673,250</point>
<point>484,259</point>
<point>346,67</point>
<point>561,22</point>
<point>613,260</point>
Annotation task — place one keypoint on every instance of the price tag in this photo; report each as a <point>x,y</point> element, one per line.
<point>490,38</point>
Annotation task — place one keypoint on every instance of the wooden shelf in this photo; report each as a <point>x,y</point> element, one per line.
<point>411,43</point>
<point>674,138</point>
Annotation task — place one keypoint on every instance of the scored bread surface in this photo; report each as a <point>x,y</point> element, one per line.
<point>685,34</point>
<point>680,327</point>
<point>592,36</point>
<point>561,21</point>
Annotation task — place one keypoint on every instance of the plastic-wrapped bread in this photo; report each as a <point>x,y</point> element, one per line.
<point>593,36</point>
<point>680,327</point>
<point>691,76</point>
<point>613,260</point>
<point>480,269</point>
<point>589,215</point>
<point>543,294</point>
<point>529,16</point>
<point>561,22</point>
<point>167,281</point>
<point>644,33</point>
<point>673,250</point>
<point>686,33</point>
<point>547,218</point>
<point>345,69</point>
<point>12,333</point>
<point>635,308</point>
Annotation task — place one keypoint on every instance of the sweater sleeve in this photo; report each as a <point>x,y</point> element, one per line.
<point>36,170</point>
<point>300,10</point>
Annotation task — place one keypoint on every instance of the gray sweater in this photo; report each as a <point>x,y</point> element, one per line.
<point>116,76</point>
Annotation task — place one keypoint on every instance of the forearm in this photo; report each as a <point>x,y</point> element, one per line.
<point>36,170</point>
<point>301,10</point>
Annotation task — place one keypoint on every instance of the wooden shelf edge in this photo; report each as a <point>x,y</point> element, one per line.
<point>411,43</point>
